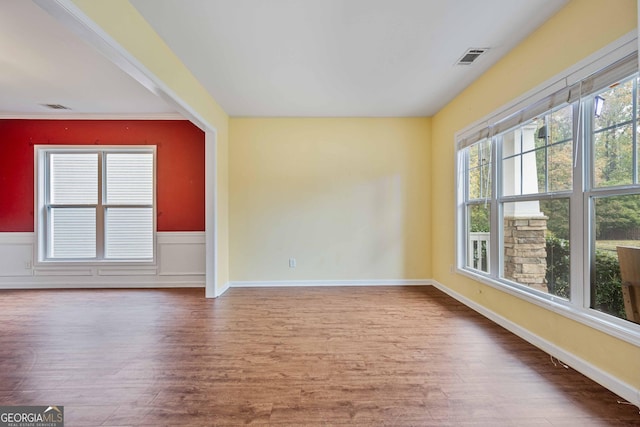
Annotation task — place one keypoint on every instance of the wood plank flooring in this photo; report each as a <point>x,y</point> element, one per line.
<point>283,356</point>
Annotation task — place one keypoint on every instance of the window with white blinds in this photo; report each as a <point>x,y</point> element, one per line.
<point>96,204</point>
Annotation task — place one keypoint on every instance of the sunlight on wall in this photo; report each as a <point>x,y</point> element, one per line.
<point>348,198</point>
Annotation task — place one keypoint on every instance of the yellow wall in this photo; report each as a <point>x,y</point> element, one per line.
<point>579,29</point>
<point>348,198</point>
<point>121,20</point>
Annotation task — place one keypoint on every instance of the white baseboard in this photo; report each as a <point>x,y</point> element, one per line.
<point>122,283</point>
<point>626,391</point>
<point>224,289</point>
<point>326,283</point>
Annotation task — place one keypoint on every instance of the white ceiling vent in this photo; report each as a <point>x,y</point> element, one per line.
<point>471,55</point>
<point>56,106</point>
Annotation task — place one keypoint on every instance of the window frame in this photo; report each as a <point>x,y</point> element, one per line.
<point>581,197</point>
<point>42,206</point>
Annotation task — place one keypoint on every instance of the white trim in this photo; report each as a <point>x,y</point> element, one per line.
<point>123,282</point>
<point>92,116</point>
<point>16,238</point>
<point>127,272</point>
<point>626,391</point>
<point>224,289</point>
<point>183,237</point>
<point>211,215</point>
<point>63,272</point>
<point>329,283</point>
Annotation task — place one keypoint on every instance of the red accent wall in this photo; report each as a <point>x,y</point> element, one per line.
<point>180,164</point>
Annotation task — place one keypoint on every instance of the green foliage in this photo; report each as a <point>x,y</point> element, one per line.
<point>479,218</point>
<point>554,151</point>
<point>558,265</point>
<point>606,287</point>
<point>613,137</point>
<point>618,213</point>
<point>557,210</point>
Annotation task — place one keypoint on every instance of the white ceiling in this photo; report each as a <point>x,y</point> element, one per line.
<point>340,57</point>
<point>41,62</point>
<point>272,58</point>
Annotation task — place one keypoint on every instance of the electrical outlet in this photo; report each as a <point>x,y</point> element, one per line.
<point>292,263</point>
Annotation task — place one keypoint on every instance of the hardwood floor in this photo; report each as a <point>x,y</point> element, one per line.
<point>283,356</point>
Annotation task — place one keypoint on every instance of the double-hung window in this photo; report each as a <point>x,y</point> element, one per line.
<point>546,194</point>
<point>95,204</point>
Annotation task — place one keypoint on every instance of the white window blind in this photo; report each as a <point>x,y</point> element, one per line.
<point>129,178</point>
<point>98,203</point>
<point>73,178</point>
<point>129,233</point>
<point>73,232</point>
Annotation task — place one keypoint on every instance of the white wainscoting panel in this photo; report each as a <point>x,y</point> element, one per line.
<point>181,253</point>
<point>16,252</point>
<point>180,263</point>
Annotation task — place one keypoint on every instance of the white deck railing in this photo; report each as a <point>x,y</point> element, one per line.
<point>478,251</point>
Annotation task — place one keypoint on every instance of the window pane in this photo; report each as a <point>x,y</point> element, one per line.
<point>617,223</point>
<point>617,107</point>
<point>541,133</point>
<point>561,125</point>
<point>72,233</point>
<point>520,172</point>
<point>480,182</point>
<point>479,170</point>
<point>129,178</point>
<point>129,233</point>
<point>511,176</point>
<point>557,246</point>
<point>478,241</point>
<point>531,173</point>
<point>613,137</point>
<point>560,166</point>
<point>536,245</point>
<point>614,156</point>
<point>73,178</point>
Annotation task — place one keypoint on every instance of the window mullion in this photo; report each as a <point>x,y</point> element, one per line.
<point>577,225</point>
<point>100,208</point>
<point>547,123</point>
<point>46,223</point>
<point>495,226</point>
<point>634,154</point>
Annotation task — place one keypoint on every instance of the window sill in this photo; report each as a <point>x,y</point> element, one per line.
<point>106,263</point>
<point>618,328</point>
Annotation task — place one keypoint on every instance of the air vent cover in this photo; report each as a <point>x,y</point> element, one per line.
<point>56,106</point>
<point>471,55</point>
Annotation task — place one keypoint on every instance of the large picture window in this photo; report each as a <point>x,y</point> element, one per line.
<point>95,204</point>
<point>546,216</point>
